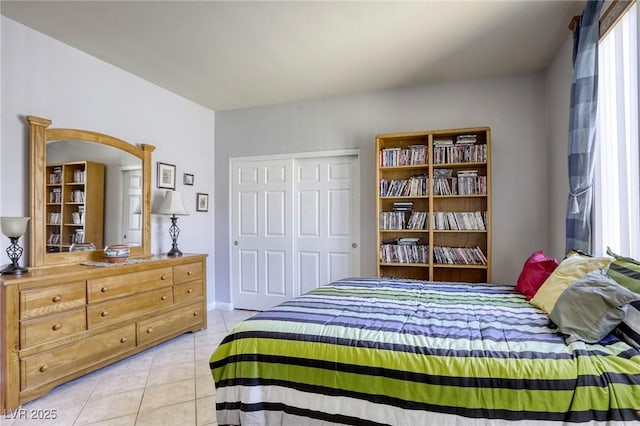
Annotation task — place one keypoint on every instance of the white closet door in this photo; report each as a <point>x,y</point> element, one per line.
<point>326,225</point>
<point>262,233</point>
<point>294,226</point>
<point>131,227</point>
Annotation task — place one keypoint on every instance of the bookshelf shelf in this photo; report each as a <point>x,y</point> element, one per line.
<point>453,180</point>
<point>406,264</point>
<point>457,165</point>
<point>408,167</point>
<point>457,231</point>
<point>400,197</point>
<point>461,196</point>
<point>418,231</point>
<point>447,265</point>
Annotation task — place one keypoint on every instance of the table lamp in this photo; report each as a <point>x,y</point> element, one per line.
<point>172,205</point>
<point>14,228</point>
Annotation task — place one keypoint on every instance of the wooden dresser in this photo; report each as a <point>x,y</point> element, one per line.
<point>62,322</point>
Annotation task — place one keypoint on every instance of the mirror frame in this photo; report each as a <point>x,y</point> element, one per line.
<point>40,134</point>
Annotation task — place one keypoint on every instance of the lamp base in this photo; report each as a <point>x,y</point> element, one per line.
<point>175,251</point>
<point>14,270</point>
<point>174,231</point>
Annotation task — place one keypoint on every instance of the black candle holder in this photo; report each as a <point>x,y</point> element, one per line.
<point>174,231</point>
<point>14,252</point>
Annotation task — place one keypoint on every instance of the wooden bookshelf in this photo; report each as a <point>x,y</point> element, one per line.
<point>75,205</point>
<point>445,174</point>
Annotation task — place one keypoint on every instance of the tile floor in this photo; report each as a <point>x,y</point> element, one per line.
<point>169,384</point>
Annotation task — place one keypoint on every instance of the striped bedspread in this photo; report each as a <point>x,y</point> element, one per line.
<point>372,351</point>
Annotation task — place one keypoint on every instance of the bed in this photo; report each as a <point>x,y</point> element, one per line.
<point>407,352</point>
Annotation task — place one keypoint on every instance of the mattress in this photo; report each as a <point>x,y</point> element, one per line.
<point>406,352</point>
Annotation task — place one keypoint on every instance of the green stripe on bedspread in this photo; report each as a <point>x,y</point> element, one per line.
<point>469,350</point>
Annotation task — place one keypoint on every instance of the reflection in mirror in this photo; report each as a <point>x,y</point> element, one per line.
<point>119,195</point>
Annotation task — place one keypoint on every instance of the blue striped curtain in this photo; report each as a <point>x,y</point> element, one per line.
<point>582,127</point>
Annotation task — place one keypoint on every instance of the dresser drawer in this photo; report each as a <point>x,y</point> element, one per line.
<point>187,272</point>
<point>103,313</point>
<point>126,284</point>
<point>51,365</point>
<point>51,327</point>
<point>45,301</point>
<point>179,320</point>
<point>188,290</point>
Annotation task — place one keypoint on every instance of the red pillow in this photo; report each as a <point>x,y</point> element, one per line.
<point>536,270</point>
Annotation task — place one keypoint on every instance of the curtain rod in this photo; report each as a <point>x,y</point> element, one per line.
<point>573,24</point>
<point>608,19</point>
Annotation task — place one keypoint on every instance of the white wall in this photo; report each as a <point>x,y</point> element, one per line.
<point>514,108</point>
<point>46,78</point>
<point>558,78</point>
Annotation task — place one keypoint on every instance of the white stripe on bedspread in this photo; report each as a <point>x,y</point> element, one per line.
<point>342,406</point>
<point>357,408</point>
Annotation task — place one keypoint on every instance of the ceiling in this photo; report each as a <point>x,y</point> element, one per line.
<point>237,54</point>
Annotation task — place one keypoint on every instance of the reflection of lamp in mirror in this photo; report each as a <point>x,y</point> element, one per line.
<point>172,205</point>
<point>14,228</point>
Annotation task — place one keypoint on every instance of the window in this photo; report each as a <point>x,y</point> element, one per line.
<point>617,167</point>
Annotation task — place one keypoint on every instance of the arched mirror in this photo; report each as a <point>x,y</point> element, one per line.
<point>87,190</point>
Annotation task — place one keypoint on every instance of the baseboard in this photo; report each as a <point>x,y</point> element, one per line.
<point>220,306</point>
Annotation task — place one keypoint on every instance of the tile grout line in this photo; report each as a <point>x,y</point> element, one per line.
<point>86,401</point>
<point>195,382</point>
<point>144,390</point>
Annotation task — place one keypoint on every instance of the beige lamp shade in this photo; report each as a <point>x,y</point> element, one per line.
<point>14,227</point>
<point>172,204</point>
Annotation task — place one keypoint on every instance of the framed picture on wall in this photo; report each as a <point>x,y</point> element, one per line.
<point>202,202</point>
<point>187,179</point>
<point>166,176</point>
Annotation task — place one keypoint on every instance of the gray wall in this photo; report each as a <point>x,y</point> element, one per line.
<point>558,88</point>
<point>514,108</point>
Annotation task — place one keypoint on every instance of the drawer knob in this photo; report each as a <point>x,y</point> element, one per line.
<point>163,277</point>
<point>43,368</point>
<point>104,313</point>
<point>163,298</point>
<point>57,298</point>
<point>149,330</point>
<point>189,272</point>
<point>190,290</point>
<point>195,313</point>
<point>124,339</point>
<point>104,289</point>
<point>57,326</point>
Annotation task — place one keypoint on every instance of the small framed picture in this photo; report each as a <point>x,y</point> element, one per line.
<point>202,202</point>
<point>187,179</point>
<point>166,176</point>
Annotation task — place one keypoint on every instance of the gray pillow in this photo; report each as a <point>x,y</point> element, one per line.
<point>591,307</point>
